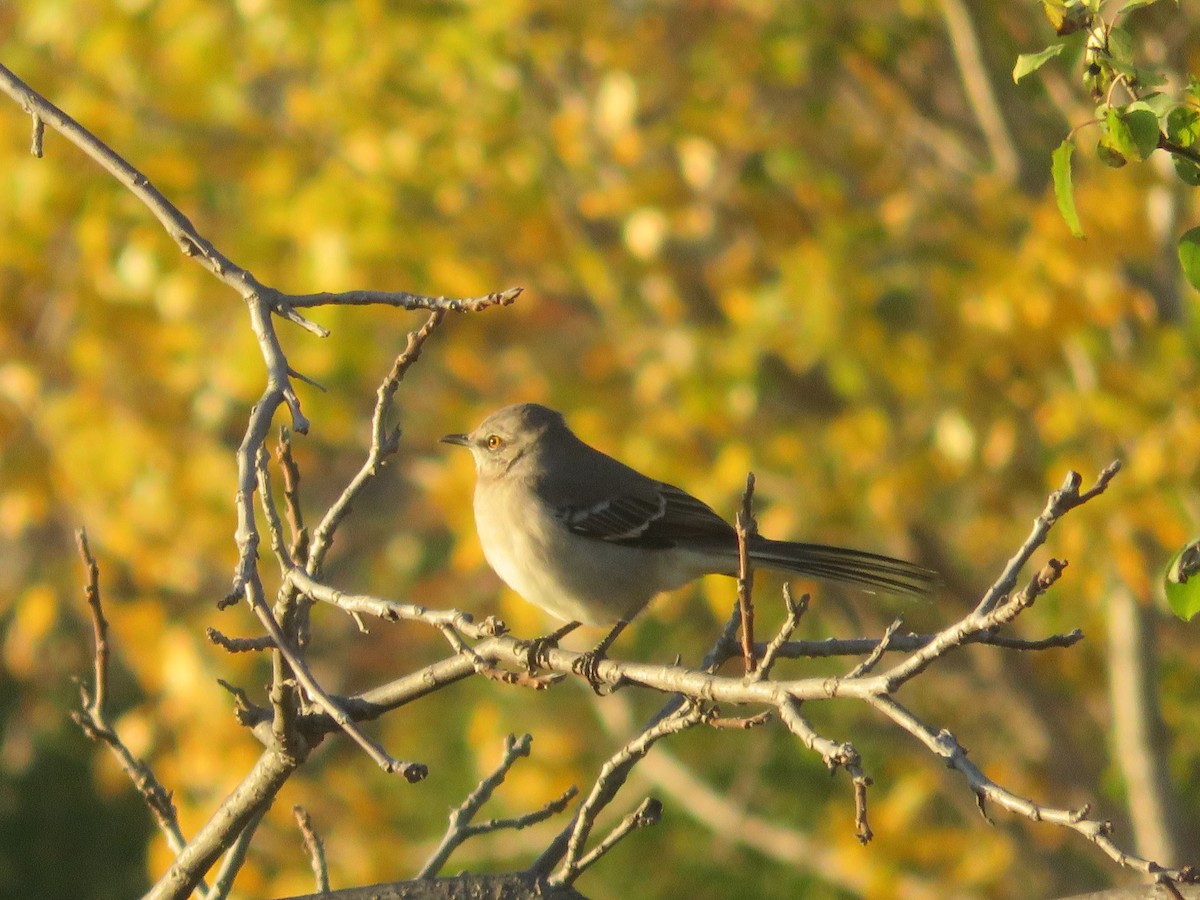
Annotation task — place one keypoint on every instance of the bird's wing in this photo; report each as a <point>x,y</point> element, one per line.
<point>657,519</point>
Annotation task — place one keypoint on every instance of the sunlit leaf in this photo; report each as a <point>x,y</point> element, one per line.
<point>1064,190</point>
<point>1182,582</point>
<point>1132,132</point>
<point>1031,62</point>
<point>1183,125</point>
<point>1067,16</point>
<point>1189,256</point>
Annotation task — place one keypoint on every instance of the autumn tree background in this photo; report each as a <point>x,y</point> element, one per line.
<point>816,241</point>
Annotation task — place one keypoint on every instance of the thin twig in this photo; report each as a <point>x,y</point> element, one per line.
<point>613,775</point>
<point>384,442</point>
<point>235,858</point>
<point>274,526</point>
<point>314,846</point>
<point>648,813</point>
<point>393,610</point>
<point>795,610</point>
<point>1098,831</point>
<point>747,529</point>
<point>92,717</point>
<point>91,592</point>
<point>291,494</point>
<point>1058,504</point>
<point>405,300</point>
<point>245,711</point>
<point>460,827</point>
<point>411,771</point>
<point>906,643</point>
<point>239,645</point>
<point>836,756</point>
<point>865,667</point>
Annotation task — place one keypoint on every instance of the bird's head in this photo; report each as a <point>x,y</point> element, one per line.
<point>508,436</point>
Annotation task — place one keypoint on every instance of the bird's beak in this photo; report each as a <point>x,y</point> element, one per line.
<point>461,439</point>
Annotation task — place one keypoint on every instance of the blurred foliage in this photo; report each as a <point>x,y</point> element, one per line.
<point>753,235</point>
<point>1134,118</point>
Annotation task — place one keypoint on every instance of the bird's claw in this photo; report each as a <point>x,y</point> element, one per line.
<point>588,666</point>
<point>535,650</point>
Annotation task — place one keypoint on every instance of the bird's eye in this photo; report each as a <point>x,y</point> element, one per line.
<point>494,441</point>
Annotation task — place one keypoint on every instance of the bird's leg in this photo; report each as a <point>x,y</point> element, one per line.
<point>535,649</point>
<point>587,664</point>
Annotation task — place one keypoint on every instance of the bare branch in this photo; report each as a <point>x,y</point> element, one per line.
<point>460,827</point>
<point>95,707</point>
<point>291,495</point>
<point>835,755</point>
<point>250,798</point>
<point>795,610</point>
<point>239,645</point>
<point>194,245</point>
<point>865,667</point>
<point>1098,831</point>
<point>648,813</point>
<point>315,847</point>
<point>92,718</point>
<point>405,300</point>
<point>714,808</point>
<point>383,443</point>
<point>235,858</point>
<point>411,771</point>
<point>746,527</point>
<point>1059,504</point>
<point>613,775</point>
<point>907,643</point>
<point>274,526</point>
<point>393,610</point>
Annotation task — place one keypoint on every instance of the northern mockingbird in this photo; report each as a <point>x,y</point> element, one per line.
<point>592,541</point>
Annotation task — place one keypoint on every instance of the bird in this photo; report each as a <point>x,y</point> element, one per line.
<point>592,541</point>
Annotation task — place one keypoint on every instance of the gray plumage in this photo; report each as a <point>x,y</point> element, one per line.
<point>588,539</point>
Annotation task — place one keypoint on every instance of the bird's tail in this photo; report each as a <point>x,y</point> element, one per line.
<point>858,567</point>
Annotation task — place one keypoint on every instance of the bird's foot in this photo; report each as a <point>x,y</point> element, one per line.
<point>588,666</point>
<point>535,650</point>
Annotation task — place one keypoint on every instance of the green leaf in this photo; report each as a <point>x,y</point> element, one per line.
<point>1183,125</point>
<point>1132,131</point>
<point>1117,134</point>
<point>1136,4</point>
<point>1189,256</point>
<point>1031,62</point>
<point>1064,191</point>
<point>1136,75</point>
<point>1188,171</point>
<point>1143,124</point>
<point>1067,17</point>
<point>1182,582</point>
<point>1108,155</point>
<point>1120,46</point>
<point>1159,103</point>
